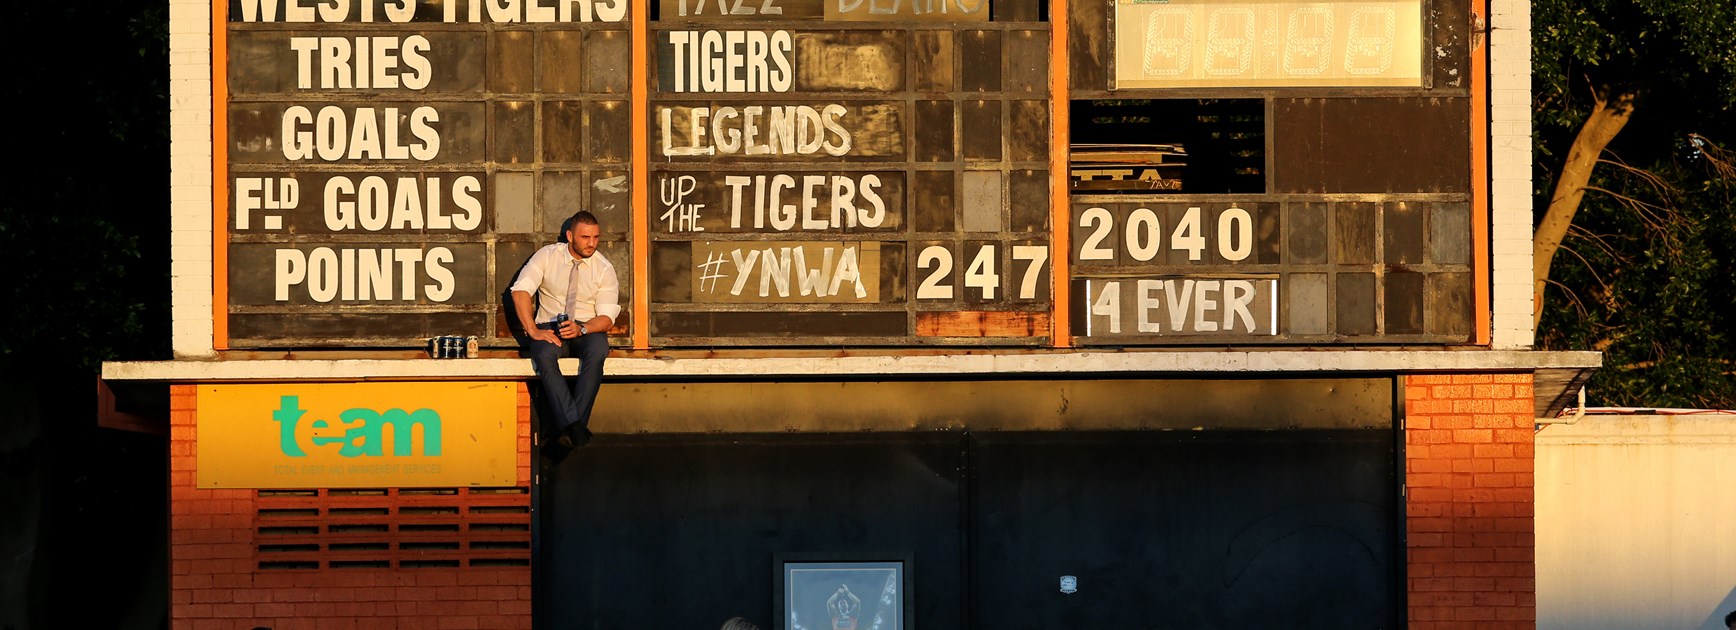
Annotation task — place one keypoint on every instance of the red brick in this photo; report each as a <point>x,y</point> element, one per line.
<point>1428,379</point>
<point>1525,435</point>
<point>1416,422</point>
<point>1525,615</point>
<point>1525,584</point>
<point>1429,465</point>
<point>1452,451</point>
<point>1453,422</point>
<point>1518,377</point>
<point>1517,407</point>
<point>1473,378</point>
<point>1479,405</point>
<point>232,611</point>
<point>1494,421</point>
<point>1473,465</point>
<point>1492,599</point>
<point>1512,464</point>
<point>1447,392</point>
<point>1429,406</point>
<point>1414,509</point>
<point>454,622</point>
<point>1473,614</point>
<point>1472,436</point>
<point>1464,555</point>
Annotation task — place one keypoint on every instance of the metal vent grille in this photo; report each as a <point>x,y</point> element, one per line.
<point>381,528</point>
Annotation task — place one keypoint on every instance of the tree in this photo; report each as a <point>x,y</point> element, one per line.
<point>1596,63</point>
<point>1634,122</point>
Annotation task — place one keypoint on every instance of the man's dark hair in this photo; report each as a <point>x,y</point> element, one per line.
<point>582,216</point>
<point>1730,619</point>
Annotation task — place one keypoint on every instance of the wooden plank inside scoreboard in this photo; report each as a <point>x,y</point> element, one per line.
<point>815,185</point>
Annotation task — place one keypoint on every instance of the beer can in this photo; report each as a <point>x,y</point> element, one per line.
<point>472,347</point>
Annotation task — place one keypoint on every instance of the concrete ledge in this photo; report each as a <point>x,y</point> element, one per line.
<point>857,367</point>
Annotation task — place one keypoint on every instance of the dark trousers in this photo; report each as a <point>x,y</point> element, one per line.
<point>570,404</point>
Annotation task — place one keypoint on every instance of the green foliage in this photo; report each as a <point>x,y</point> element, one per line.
<point>84,223</point>
<point>1646,273</point>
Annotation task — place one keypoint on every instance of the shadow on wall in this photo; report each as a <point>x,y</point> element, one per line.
<point>1715,620</point>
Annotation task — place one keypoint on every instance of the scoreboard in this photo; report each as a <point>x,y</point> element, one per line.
<point>875,173</point>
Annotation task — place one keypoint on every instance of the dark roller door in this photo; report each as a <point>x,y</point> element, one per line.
<point>671,532</point>
<point>1181,529</point>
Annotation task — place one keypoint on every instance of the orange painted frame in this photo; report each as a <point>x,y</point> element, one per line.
<point>1480,182</point>
<point>1060,335</point>
<point>640,115</point>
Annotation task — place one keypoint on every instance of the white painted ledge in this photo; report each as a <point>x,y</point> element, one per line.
<point>940,366</point>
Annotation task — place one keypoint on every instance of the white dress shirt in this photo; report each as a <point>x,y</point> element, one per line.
<point>545,276</point>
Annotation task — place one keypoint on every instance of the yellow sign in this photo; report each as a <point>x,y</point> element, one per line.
<point>351,435</point>
<point>1275,43</point>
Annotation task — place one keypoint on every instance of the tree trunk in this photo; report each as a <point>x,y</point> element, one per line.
<point>1608,115</point>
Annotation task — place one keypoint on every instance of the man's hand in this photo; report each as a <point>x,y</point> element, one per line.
<point>569,329</point>
<point>545,335</point>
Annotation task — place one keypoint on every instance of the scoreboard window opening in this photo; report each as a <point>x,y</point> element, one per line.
<point>1168,146</point>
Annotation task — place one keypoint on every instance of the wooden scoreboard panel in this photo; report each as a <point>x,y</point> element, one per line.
<point>391,165</point>
<point>843,173</point>
<point>827,179</point>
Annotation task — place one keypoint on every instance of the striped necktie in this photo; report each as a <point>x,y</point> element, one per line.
<point>573,291</point>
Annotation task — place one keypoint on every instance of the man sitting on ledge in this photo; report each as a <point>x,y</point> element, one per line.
<point>577,298</point>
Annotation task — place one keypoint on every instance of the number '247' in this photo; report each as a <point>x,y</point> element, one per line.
<point>982,273</point>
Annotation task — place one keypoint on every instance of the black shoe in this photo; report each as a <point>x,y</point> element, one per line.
<point>575,436</point>
<point>557,449</point>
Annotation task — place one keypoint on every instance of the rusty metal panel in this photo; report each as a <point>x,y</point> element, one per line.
<point>563,132</point>
<point>1307,242</point>
<point>1402,233</point>
<point>1404,303</point>
<point>1088,45</point>
<point>934,132</point>
<point>379,218</point>
<point>1449,233</point>
<point>1449,304</point>
<point>789,131</point>
<point>1021,11</point>
<point>1353,232</point>
<point>1356,303</point>
<point>606,132</point>
<point>934,52</point>
<point>878,102</point>
<point>357,327</point>
<point>510,66</point>
<point>357,132</point>
<point>912,11</point>
<point>1320,272</point>
<point>514,203</point>
<point>436,62</point>
<point>980,58</point>
<point>560,55</point>
<point>1028,131</point>
<point>849,61</point>
<point>982,130</point>
<point>988,405</point>
<point>731,10</point>
<point>933,202</point>
<point>1027,61</point>
<point>1371,145</point>
<point>1450,50</point>
<point>1029,211</point>
<point>276,205</point>
<point>608,59</point>
<point>514,132</point>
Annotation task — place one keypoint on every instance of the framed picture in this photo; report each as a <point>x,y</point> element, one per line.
<point>814,591</point>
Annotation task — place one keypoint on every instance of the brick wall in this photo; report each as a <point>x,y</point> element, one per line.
<point>217,582</point>
<point>190,177</point>
<point>1469,501</point>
